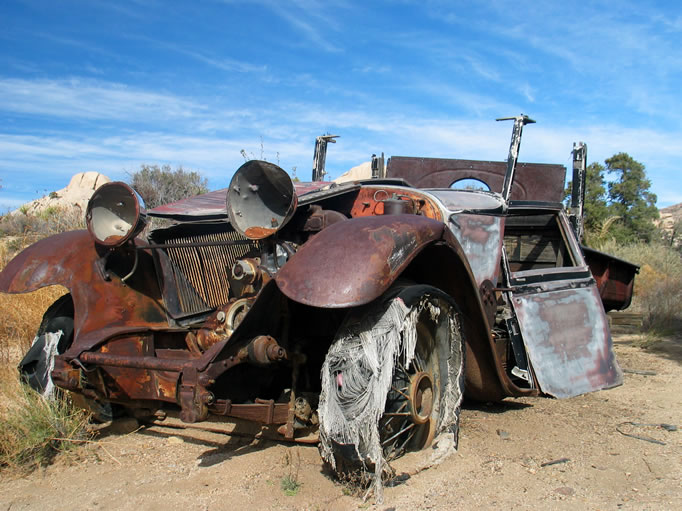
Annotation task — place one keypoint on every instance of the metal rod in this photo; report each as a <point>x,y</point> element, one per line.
<point>153,363</point>
<point>216,243</point>
<point>519,122</point>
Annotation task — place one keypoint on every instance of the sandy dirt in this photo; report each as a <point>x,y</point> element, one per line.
<point>502,462</point>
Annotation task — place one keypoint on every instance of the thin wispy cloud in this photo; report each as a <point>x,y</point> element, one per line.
<point>82,98</point>
<point>303,27</point>
<point>108,87</point>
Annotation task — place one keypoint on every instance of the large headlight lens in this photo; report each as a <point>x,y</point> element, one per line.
<point>115,214</point>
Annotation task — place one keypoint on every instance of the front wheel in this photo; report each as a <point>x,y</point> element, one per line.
<point>392,380</point>
<point>54,337</point>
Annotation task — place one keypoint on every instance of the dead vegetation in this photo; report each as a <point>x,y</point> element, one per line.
<point>32,431</point>
<point>658,287</point>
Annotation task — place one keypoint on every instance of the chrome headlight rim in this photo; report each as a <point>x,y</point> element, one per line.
<point>114,201</point>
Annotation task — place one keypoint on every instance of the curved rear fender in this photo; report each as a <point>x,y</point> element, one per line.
<point>71,260</point>
<point>353,262</point>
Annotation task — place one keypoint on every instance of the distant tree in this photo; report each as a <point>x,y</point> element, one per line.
<point>631,200</point>
<point>162,185</point>
<point>623,208</point>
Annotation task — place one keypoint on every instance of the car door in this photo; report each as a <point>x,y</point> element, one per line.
<point>557,305</point>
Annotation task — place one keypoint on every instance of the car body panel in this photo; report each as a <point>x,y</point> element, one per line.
<point>567,338</point>
<point>367,254</point>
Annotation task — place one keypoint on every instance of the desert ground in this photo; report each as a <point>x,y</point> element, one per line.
<point>521,454</point>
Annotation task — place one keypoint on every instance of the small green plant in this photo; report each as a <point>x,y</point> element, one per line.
<point>289,483</point>
<point>49,212</point>
<point>54,195</point>
<point>290,486</point>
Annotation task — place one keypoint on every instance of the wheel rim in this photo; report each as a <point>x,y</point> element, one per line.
<point>421,397</point>
<point>409,420</point>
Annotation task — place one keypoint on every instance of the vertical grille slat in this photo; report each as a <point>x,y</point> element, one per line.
<point>200,274</point>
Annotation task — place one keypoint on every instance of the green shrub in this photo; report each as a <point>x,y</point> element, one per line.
<point>159,186</point>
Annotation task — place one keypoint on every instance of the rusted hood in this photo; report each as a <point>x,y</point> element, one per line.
<point>212,205</point>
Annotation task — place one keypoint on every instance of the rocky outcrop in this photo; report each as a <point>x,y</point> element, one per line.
<point>75,195</point>
<point>362,171</point>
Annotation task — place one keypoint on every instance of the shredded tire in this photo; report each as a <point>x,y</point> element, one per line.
<point>362,364</point>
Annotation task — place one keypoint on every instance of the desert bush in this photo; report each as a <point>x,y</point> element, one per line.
<point>658,287</point>
<point>34,430</point>
<point>162,185</point>
<point>51,220</point>
<point>20,229</point>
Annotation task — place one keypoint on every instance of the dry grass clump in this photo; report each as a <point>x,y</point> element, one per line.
<point>19,322</point>
<point>34,430</point>
<point>658,287</point>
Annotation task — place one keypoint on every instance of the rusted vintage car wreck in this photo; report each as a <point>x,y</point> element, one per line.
<point>359,310</point>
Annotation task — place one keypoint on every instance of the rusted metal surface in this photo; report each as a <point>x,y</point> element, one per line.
<point>567,339</point>
<point>615,278</point>
<point>71,260</point>
<point>263,411</point>
<point>197,266</point>
<point>261,199</point>
<point>370,202</point>
<point>320,156</point>
<point>470,200</point>
<point>578,188</point>
<point>200,317</point>
<point>534,181</point>
<point>382,247</point>
<point>132,362</point>
<point>212,205</point>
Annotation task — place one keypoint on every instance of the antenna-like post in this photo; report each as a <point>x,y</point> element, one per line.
<point>519,122</point>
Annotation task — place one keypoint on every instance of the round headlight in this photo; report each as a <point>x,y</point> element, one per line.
<point>261,199</point>
<point>115,214</point>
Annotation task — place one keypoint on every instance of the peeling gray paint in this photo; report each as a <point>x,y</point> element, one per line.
<point>481,239</point>
<point>568,341</point>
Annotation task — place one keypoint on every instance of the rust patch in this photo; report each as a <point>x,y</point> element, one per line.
<point>258,233</point>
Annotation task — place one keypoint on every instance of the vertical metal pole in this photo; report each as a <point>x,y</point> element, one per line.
<point>519,122</point>
<point>578,188</point>
<point>320,156</point>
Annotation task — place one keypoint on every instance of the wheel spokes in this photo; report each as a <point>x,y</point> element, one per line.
<point>406,428</point>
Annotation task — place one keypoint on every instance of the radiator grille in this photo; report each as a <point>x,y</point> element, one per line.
<point>200,273</point>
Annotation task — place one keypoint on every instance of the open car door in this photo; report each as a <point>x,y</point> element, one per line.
<point>557,304</point>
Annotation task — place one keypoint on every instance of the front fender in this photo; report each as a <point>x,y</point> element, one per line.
<point>71,260</point>
<point>353,262</point>
<point>47,262</point>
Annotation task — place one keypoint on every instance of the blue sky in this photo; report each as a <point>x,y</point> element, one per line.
<point>110,85</point>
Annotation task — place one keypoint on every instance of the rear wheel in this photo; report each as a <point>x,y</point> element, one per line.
<point>392,380</point>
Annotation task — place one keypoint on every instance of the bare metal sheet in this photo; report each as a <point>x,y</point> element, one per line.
<point>568,341</point>
<point>481,239</point>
